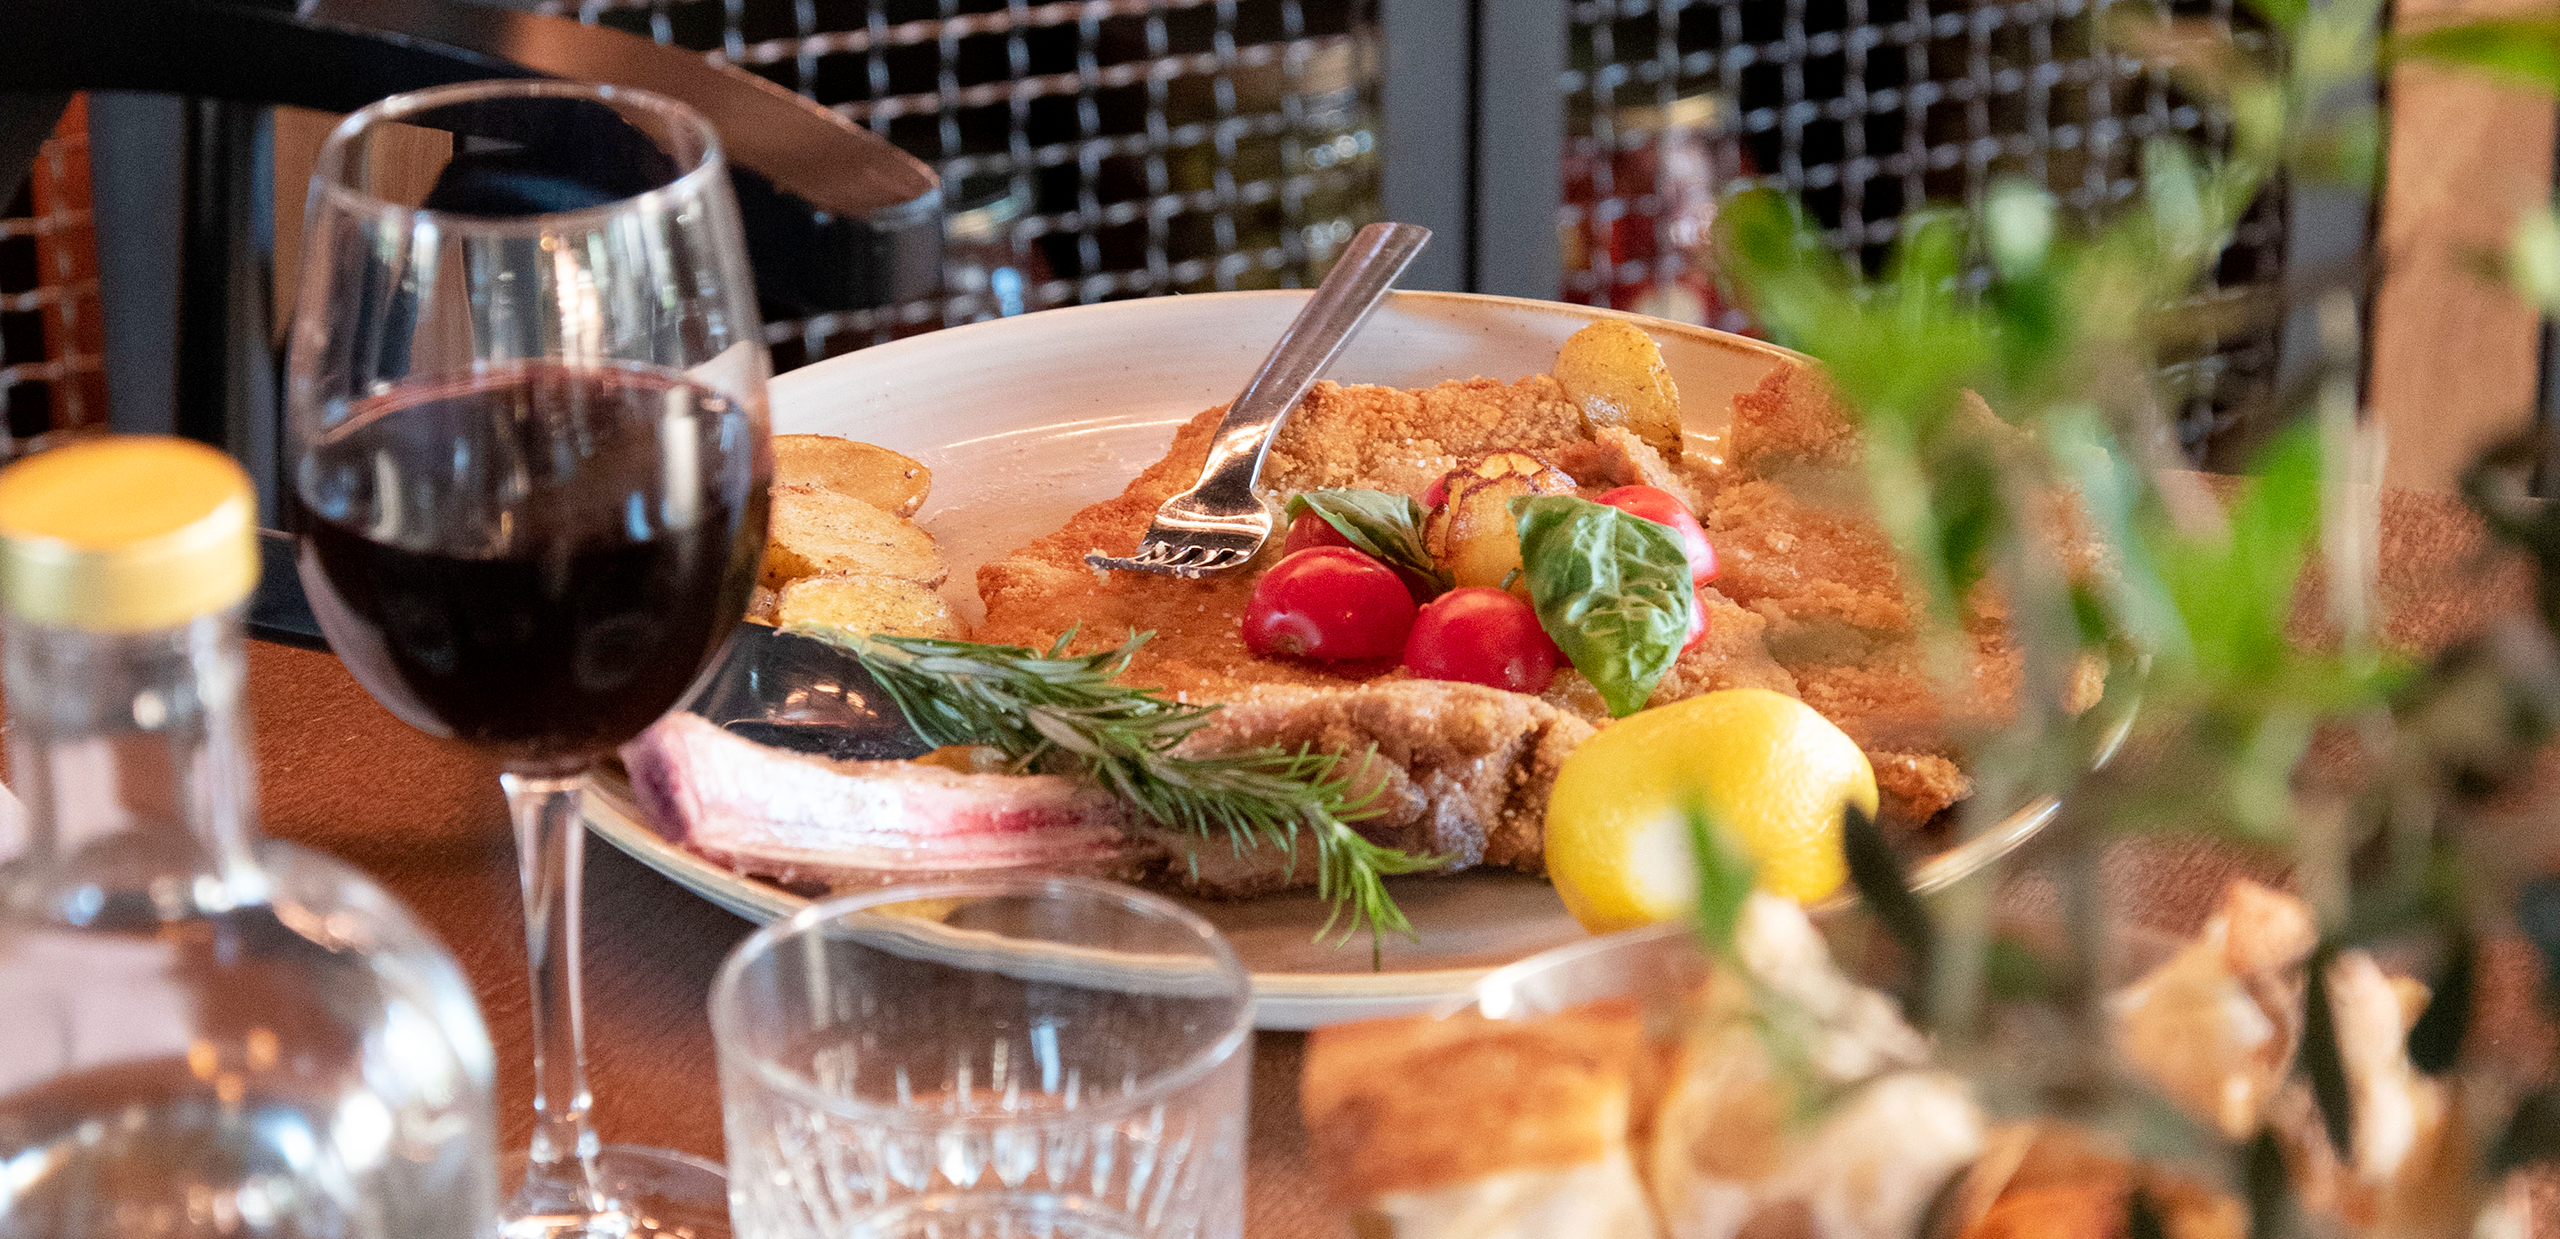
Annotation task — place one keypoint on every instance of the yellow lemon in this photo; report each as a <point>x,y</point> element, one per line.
<point>1767,766</point>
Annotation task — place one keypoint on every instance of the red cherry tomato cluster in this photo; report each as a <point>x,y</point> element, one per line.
<point>1328,602</point>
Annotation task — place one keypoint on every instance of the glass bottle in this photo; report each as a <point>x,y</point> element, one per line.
<point>200,1033</point>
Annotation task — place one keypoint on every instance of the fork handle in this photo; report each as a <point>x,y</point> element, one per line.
<point>1355,286</point>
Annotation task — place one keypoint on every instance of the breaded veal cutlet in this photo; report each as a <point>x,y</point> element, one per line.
<point>1810,603</point>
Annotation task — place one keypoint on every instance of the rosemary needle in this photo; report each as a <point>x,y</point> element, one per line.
<point>1061,713</point>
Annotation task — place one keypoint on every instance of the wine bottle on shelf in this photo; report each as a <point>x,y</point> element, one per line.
<point>200,1033</point>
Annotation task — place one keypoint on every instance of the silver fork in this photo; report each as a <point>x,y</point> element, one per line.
<point>1219,523</point>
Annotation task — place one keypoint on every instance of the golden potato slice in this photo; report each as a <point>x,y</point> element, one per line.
<point>891,482</point>
<point>760,604</point>
<point>1481,543</point>
<point>862,602</point>
<point>817,531</point>
<point>1472,533</point>
<point>1615,372</point>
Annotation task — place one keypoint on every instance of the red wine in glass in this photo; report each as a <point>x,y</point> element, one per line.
<point>538,560</point>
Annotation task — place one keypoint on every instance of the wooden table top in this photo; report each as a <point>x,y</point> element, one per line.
<point>339,773</point>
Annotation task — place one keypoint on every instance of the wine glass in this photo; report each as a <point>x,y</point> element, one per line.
<point>525,393</point>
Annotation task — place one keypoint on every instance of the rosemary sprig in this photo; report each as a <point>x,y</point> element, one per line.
<point>1061,713</point>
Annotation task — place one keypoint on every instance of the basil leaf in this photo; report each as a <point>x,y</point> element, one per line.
<point>1612,589</point>
<point>1384,527</point>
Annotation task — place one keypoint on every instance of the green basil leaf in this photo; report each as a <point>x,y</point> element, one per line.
<point>1384,527</point>
<point>1612,589</point>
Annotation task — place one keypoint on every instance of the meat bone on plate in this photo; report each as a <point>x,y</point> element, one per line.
<point>790,764</point>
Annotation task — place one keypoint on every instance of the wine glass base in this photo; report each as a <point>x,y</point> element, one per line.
<point>658,1194</point>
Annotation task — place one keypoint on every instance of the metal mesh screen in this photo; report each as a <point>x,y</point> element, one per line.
<point>52,379</point>
<point>26,395</point>
<point>1870,109</point>
<point>1089,149</point>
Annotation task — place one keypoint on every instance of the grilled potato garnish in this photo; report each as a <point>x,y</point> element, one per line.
<point>1472,533</point>
<point>1614,371</point>
<point>887,480</point>
<point>865,603</point>
<point>815,531</point>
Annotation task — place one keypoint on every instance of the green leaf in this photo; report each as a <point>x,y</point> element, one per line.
<point>2319,1057</point>
<point>2522,51</point>
<point>2012,971</point>
<point>2136,603</point>
<point>1877,874</point>
<point>2142,1215</point>
<point>2173,187</point>
<point>1724,879</point>
<point>2435,1041</point>
<point>2018,223</point>
<point>2533,259</point>
<point>1386,528</point>
<point>1611,588</point>
<point>1970,514</point>
<point>2234,595</point>
<point>1779,268</point>
<point>2285,15</point>
<point>2270,1197</point>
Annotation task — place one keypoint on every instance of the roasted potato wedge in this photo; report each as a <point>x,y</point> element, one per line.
<point>815,530</point>
<point>1614,371</point>
<point>1472,533</point>
<point>886,480</point>
<point>862,602</point>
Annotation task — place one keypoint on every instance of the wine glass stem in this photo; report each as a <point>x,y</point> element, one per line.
<point>559,1175</point>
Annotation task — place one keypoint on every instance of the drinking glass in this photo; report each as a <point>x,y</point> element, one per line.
<point>525,395</point>
<point>1010,1057</point>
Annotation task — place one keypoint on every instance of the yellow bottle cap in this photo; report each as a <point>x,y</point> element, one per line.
<point>126,533</point>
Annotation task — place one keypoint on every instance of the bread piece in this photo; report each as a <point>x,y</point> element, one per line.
<point>867,603</point>
<point>815,531</point>
<point>887,480</point>
<point>2215,1025</point>
<point>1421,1104</point>
<point>1598,1200</point>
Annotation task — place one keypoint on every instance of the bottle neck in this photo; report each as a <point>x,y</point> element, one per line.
<point>131,754</point>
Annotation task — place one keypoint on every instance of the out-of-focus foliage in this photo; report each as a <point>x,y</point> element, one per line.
<point>2058,325</point>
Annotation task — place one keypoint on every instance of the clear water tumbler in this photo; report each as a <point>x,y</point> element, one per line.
<point>1032,1057</point>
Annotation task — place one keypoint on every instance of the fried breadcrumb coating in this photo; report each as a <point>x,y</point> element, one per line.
<point>1811,602</point>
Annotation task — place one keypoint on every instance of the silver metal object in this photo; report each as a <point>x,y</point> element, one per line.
<point>1219,523</point>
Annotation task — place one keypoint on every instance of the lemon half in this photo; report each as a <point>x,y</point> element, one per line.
<point>1768,767</point>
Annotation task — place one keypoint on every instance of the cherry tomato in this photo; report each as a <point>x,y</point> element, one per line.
<point>1664,508</point>
<point>1483,636</point>
<point>1436,494</point>
<point>1328,603</point>
<point>1697,627</point>
<point>1309,531</point>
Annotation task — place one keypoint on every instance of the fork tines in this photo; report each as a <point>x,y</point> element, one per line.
<point>1168,560</point>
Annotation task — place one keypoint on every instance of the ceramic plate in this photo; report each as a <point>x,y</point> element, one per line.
<point>1024,420</point>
